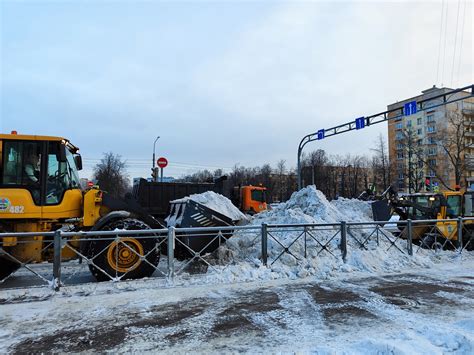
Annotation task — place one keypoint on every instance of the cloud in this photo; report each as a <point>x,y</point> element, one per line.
<point>308,66</point>
<point>222,84</point>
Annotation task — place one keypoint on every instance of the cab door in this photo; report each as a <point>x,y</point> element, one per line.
<point>63,195</point>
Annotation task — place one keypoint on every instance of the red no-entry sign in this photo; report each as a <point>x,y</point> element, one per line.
<point>162,162</point>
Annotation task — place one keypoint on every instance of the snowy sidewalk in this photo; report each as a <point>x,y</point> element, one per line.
<point>417,311</point>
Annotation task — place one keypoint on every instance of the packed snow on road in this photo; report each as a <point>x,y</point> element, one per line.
<point>380,300</point>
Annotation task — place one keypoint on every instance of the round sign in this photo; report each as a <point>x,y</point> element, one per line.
<point>162,162</point>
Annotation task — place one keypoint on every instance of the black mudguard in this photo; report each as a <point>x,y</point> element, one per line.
<point>129,204</point>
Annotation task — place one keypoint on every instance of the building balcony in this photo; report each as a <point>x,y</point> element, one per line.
<point>469,161</point>
<point>468,112</point>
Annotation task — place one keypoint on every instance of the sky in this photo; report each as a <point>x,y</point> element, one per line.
<point>221,82</point>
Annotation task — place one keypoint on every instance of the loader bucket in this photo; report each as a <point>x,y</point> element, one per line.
<point>381,210</point>
<point>188,214</point>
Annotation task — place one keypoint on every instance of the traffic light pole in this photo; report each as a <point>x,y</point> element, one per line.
<point>154,161</point>
<point>406,110</point>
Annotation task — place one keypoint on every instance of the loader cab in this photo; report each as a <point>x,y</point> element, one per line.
<point>468,204</point>
<point>38,171</point>
<point>453,206</point>
<point>422,205</point>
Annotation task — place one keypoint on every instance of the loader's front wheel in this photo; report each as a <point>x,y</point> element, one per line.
<point>126,256</point>
<point>7,265</point>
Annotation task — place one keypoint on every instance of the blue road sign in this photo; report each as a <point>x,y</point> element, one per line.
<point>360,122</point>
<point>409,108</point>
<point>320,134</point>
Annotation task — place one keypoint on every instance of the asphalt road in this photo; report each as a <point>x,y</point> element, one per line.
<point>282,317</point>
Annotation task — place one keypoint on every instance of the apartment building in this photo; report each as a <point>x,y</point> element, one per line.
<point>415,143</point>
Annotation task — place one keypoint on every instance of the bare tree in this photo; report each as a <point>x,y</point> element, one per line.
<point>453,140</point>
<point>111,175</point>
<point>414,154</point>
<point>381,164</point>
<point>281,172</point>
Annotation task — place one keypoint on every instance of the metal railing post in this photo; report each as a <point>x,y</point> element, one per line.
<point>305,245</point>
<point>171,243</point>
<point>343,244</point>
<point>410,237</point>
<point>57,261</point>
<point>264,244</point>
<point>460,226</point>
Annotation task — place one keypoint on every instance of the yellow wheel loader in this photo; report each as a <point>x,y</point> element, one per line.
<point>445,207</point>
<point>40,192</point>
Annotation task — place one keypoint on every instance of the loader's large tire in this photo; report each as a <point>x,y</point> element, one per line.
<point>468,240</point>
<point>7,266</point>
<point>116,260</point>
<point>430,242</point>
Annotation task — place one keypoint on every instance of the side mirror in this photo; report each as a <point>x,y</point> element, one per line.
<point>78,161</point>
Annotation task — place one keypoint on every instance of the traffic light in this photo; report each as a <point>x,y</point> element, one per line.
<point>428,183</point>
<point>154,174</point>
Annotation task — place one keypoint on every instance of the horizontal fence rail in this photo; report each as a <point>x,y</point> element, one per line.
<point>75,257</point>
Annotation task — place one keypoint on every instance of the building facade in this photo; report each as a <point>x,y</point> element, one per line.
<point>417,143</point>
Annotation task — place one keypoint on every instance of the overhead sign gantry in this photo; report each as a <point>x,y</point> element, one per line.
<point>407,109</point>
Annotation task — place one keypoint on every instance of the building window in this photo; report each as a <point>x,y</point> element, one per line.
<point>400,145</point>
<point>432,151</point>
<point>400,175</point>
<point>431,140</point>
<point>420,130</point>
<point>430,118</point>
<point>420,141</point>
<point>419,121</point>
<point>399,136</point>
<point>432,162</point>
<point>431,173</point>
<point>408,123</point>
<point>399,125</point>
<point>401,185</point>
<point>399,155</point>
<point>431,129</point>
<point>420,164</point>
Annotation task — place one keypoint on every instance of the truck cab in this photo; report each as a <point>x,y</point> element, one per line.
<point>253,199</point>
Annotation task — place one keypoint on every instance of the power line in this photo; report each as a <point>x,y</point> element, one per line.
<point>445,44</point>
<point>439,41</point>
<point>146,164</point>
<point>455,43</point>
<point>462,37</point>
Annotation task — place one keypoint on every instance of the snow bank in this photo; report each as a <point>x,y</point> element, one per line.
<point>216,202</point>
<point>310,206</point>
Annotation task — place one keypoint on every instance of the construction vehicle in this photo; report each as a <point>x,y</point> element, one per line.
<point>155,197</point>
<point>169,201</point>
<point>444,206</point>
<point>40,192</point>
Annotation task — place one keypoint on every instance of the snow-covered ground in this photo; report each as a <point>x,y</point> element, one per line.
<point>421,310</point>
<point>380,300</point>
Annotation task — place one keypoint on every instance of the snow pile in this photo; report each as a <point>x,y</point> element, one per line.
<point>216,202</point>
<point>310,206</point>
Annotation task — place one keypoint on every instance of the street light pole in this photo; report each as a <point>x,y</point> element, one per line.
<point>154,159</point>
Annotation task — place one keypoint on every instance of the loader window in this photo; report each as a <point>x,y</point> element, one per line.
<point>468,204</point>
<point>453,208</point>
<point>62,175</point>
<point>22,166</point>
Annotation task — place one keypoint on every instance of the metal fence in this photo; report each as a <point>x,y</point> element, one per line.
<point>173,252</point>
